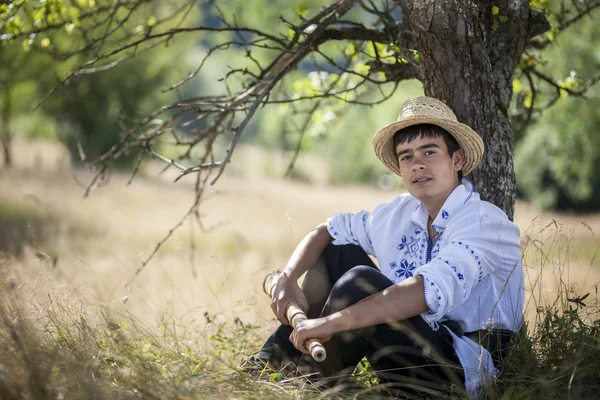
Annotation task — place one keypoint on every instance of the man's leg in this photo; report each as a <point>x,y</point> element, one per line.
<point>333,264</point>
<point>407,354</point>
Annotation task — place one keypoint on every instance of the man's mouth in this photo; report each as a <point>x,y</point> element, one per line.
<point>421,179</point>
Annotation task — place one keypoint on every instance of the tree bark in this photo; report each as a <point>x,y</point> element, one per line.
<point>468,58</point>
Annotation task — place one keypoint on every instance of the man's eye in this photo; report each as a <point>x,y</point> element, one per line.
<point>429,152</point>
<point>404,158</point>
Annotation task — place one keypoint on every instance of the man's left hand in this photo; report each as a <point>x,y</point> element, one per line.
<point>320,329</point>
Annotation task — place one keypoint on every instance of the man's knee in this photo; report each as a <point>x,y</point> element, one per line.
<point>363,279</point>
<point>358,283</point>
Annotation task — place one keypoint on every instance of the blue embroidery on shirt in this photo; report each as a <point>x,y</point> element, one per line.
<point>445,214</point>
<point>432,307</point>
<point>423,249</point>
<point>405,270</point>
<point>466,246</point>
<point>332,229</point>
<point>436,245</point>
<point>410,246</point>
<point>460,276</point>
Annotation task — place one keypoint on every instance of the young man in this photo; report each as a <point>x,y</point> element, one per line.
<point>448,293</point>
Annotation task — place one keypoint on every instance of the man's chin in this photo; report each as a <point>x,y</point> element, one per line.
<point>419,192</point>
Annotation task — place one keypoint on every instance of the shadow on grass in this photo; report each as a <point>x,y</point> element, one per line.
<point>24,225</point>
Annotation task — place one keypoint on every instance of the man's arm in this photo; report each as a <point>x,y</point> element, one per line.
<point>396,303</point>
<point>307,252</point>
<point>305,255</point>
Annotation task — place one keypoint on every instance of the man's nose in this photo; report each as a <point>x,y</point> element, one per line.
<point>418,164</point>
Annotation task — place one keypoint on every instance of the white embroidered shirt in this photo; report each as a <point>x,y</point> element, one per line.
<point>472,271</point>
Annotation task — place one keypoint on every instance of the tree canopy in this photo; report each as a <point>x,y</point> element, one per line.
<point>309,60</point>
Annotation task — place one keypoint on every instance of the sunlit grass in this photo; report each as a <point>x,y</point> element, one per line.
<point>73,328</point>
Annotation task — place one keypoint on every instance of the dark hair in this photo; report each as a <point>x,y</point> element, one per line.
<point>412,132</point>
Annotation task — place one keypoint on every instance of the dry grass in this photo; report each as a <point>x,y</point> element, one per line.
<point>97,243</point>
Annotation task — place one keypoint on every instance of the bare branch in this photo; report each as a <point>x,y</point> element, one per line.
<point>586,9</point>
<point>558,86</point>
<point>341,8</point>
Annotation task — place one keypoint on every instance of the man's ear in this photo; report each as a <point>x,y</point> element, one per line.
<point>458,159</point>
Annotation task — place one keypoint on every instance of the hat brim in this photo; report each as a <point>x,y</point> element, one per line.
<point>467,139</point>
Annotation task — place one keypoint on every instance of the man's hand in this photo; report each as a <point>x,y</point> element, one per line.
<point>287,291</point>
<point>321,329</point>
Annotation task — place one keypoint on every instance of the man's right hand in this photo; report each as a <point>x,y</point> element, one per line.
<point>286,291</point>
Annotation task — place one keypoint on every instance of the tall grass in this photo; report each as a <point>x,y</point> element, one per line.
<point>58,341</point>
<point>59,338</point>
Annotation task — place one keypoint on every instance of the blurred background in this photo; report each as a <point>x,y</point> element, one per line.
<point>99,237</point>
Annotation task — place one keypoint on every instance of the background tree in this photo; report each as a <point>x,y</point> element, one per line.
<point>565,142</point>
<point>465,53</point>
<point>87,111</point>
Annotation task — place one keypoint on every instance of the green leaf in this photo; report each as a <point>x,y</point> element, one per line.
<point>152,21</point>
<point>585,296</point>
<point>516,84</point>
<point>350,50</point>
<point>503,18</point>
<point>69,28</point>
<point>362,68</point>
<point>495,10</point>
<point>302,8</point>
<point>528,100</point>
<point>276,377</point>
<point>370,49</point>
<point>416,56</point>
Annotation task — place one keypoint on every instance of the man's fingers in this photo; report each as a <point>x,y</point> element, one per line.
<point>279,315</point>
<point>299,344</point>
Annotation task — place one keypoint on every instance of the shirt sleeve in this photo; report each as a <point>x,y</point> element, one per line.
<point>349,228</point>
<point>475,248</point>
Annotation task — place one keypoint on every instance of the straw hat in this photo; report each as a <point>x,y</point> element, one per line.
<point>427,110</point>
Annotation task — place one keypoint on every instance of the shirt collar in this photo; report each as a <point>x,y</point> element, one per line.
<point>453,204</point>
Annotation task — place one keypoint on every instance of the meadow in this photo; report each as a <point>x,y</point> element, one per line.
<point>77,322</point>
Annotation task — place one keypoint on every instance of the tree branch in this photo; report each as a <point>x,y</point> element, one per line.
<point>537,29</point>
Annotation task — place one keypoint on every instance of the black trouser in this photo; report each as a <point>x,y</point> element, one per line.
<point>407,353</point>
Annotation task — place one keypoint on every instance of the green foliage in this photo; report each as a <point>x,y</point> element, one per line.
<point>348,147</point>
<point>94,108</point>
<point>556,159</point>
<point>559,359</point>
<point>564,174</point>
<point>89,112</point>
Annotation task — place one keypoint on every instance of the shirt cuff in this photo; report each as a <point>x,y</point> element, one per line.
<point>333,232</point>
<point>432,299</point>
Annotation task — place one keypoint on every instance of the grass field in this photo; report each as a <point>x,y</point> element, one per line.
<point>68,261</point>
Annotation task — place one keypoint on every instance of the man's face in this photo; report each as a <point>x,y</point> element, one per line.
<point>428,172</point>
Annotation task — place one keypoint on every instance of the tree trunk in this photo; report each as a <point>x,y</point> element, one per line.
<point>5,128</point>
<point>468,57</point>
